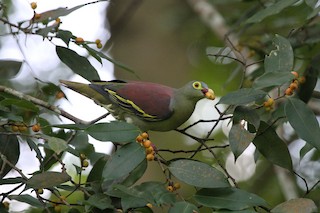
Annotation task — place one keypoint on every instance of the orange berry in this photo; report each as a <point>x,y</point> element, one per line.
<point>170,188</point>
<point>33,5</point>
<point>288,91</point>
<point>58,20</point>
<point>79,40</point>
<point>147,143</point>
<point>150,157</point>
<point>139,139</point>
<point>36,128</point>
<point>293,86</point>
<point>149,150</point>
<point>177,185</point>
<point>37,16</point>
<point>145,135</point>
<point>59,95</point>
<point>149,205</point>
<point>302,79</point>
<point>269,102</point>
<point>296,75</point>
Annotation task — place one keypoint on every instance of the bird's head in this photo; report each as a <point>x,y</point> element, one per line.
<point>197,90</point>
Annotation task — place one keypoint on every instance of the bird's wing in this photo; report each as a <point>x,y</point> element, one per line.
<point>149,101</point>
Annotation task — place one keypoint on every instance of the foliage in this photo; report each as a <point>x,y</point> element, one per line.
<point>279,70</point>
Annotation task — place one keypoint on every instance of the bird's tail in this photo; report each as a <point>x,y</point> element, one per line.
<point>86,90</point>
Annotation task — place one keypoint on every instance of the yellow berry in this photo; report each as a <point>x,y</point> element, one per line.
<point>170,188</point>
<point>302,79</point>
<point>14,128</point>
<point>6,204</point>
<point>57,208</point>
<point>293,86</point>
<point>139,139</point>
<point>149,205</point>
<point>36,128</point>
<point>83,156</point>
<point>145,135</point>
<point>269,102</point>
<point>147,143</point>
<point>22,128</point>
<point>99,46</point>
<point>288,91</point>
<point>177,185</point>
<point>59,95</point>
<point>149,150</point>
<point>33,5</point>
<point>150,157</point>
<point>37,16</point>
<point>85,163</point>
<point>58,20</point>
<point>98,41</point>
<point>79,40</point>
<point>296,75</point>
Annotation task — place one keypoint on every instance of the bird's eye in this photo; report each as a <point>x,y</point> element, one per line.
<point>197,85</point>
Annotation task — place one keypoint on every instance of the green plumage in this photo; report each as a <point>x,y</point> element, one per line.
<point>147,105</point>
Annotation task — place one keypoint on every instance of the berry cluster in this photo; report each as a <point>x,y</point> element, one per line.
<point>21,127</point>
<point>173,186</point>
<point>295,83</point>
<point>84,161</point>
<point>143,139</point>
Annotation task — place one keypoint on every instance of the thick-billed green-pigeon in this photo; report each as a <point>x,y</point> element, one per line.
<point>149,106</point>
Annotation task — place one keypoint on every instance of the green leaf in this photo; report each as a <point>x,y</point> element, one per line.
<point>10,149</point>
<point>51,15</point>
<point>95,175</point>
<point>115,131</point>
<point>147,192</point>
<point>183,207</point>
<point>58,145</point>
<point>272,147</point>
<point>228,198</point>
<point>296,205</point>
<point>124,161</point>
<point>136,174</point>
<point>9,68</point>
<point>23,104</point>
<point>270,79</point>
<point>239,139</point>
<point>27,199</point>
<point>48,179</point>
<point>198,174</point>
<point>242,96</point>
<point>65,36</point>
<point>97,55</point>
<point>273,9</point>
<point>221,55</point>
<point>100,201</point>
<point>303,120</point>
<point>79,64</point>
<point>248,114</point>
<point>280,59</point>
<point>15,180</point>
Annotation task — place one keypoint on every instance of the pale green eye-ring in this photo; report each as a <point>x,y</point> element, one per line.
<point>197,85</point>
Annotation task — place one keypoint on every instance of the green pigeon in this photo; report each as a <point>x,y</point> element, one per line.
<point>149,106</point>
